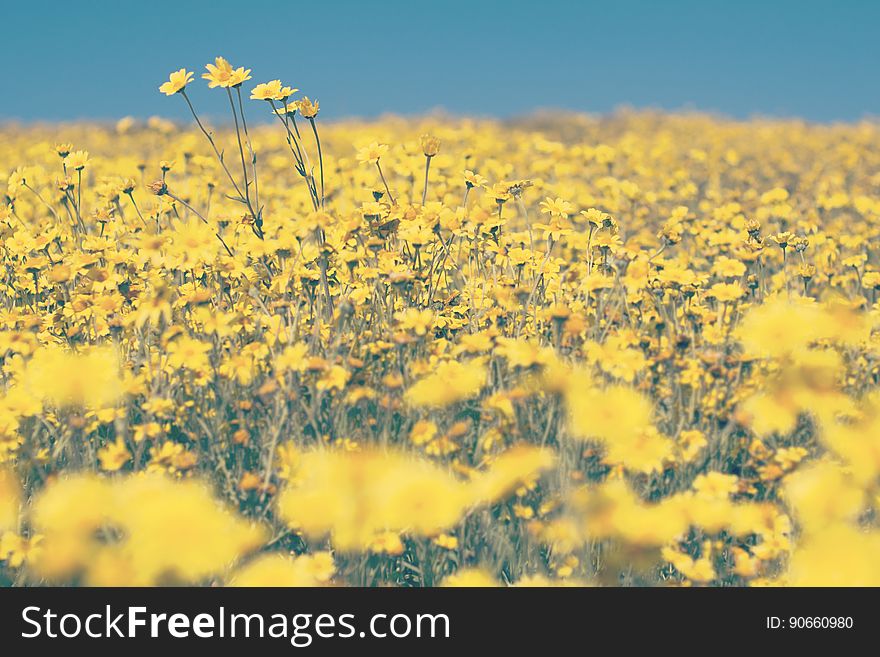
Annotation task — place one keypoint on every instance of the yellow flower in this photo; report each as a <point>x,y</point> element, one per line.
<point>746,565</point>
<point>692,442</point>
<point>70,513</point>
<point>387,543</point>
<point>239,76</point>
<point>335,378</point>
<point>272,90</point>
<point>417,321</point>
<point>728,267</point>
<point>616,413</point>
<point>617,358</point>
<point>136,531</point>
<point>371,153</point>
<point>471,578</point>
<point>280,570</point>
<point>308,108</point>
<point>423,432</point>
<point>556,207</point>
<point>177,81</point>
<point>726,292</point>
<point>16,550</point>
<point>782,239</point>
<point>89,379</point>
<point>430,145</point>
<point>822,495</point>
<point>524,353</point>
<point>77,160</point>
<point>765,415</point>
<point>154,309</point>
<point>715,485</point>
<point>114,455</point>
<point>472,179</point>
<point>871,280</point>
<point>518,465</point>
<point>451,382</point>
<point>356,496</point>
<point>597,218</point>
<point>189,353</point>
<point>698,570</point>
<point>841,555</point>
<point>221,74</point>
<point>644,451</point>
<point>446,541</point>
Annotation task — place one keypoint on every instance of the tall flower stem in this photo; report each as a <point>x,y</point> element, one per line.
<point>320,157</point>
<point>213,144</point>
<point>247,194</point>
<point>297,152</point>
<point>385,182</point>
<point>427,168</point>
<point>250,148</point>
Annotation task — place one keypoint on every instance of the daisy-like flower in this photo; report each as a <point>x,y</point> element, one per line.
<point>221,74</point>
<point>308,108</point>
<point>556,207</point>
<point>239,76</point>
<point>371,153</point>
<point>177,81</point>
<point>77,160</point>
<point>272,90</point>
<point>472,179</point>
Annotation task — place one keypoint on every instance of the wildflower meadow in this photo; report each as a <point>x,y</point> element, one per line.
<point>260,348</point>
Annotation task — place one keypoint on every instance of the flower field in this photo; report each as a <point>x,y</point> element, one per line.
<point>264,349</point>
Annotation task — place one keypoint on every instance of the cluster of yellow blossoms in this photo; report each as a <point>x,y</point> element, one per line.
<point>639,349</point>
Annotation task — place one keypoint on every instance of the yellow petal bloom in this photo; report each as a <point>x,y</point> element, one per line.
<point>177,81</point>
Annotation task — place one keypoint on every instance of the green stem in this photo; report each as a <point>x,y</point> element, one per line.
<point>427,168</point>
<point>320,157</point>
<point>385,182</point>
<point>213,145</point>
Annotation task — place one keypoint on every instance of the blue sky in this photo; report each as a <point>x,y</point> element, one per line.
<point>99,59</point>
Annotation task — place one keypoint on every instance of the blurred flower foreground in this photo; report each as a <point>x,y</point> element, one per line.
<point>632,350</point>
